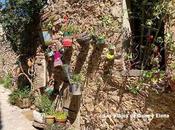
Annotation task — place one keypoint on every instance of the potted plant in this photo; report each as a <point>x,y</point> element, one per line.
<point>68,31</point>
<point>101,39</point>
<point>61,117</point>
<point>21,98</point>
<point>44,106</point>
<point>49,116</point>
<point>110,54</point>
<point>75,84</point>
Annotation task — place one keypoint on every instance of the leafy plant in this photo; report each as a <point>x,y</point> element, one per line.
<point>16,96</point>
<point>77,78</point>
<point>134,89</point>
<point>70,28</point>
<point>61,115</point>
<point>7,81</point>
<point>44,104</point>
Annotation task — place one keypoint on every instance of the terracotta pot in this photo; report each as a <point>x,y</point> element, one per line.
<point>63,121</point>
<point>49,120</point>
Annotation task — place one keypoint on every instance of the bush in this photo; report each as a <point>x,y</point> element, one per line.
<point>18,95</point>
<point>6,81</point>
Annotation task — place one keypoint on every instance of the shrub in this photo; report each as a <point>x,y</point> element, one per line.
<point>6,81</point>
<point>16,96</point>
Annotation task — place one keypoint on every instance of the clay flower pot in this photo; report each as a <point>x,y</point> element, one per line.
<point>67,42</point>
<point>61,117</point>
<point>49,119</point>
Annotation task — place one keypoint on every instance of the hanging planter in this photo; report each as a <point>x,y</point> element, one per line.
<point>57,59</point>
<point>50,87</point>
<point>75,87</point>
<point>67,42</point>
<point>46,35</point>
<point>49,52</point>
<point>110,54</point>
<point>100,39</point>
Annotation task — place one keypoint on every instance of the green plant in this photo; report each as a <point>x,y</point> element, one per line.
<point>77,78</point>
<point>16,96</point>
<point>61,115</point>
<point>134,89</point>
<point>44,104</point>
<point>70,28</point>
<point>7,81</point>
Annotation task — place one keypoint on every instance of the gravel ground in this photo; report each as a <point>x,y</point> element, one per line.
<point>11,117</point>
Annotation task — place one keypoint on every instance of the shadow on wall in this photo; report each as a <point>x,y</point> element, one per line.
<point>81,57</point>
<point>162,105</point>
<point>74,107</point>
<point>95,59</point>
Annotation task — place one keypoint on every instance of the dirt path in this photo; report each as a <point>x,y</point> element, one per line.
<point>11,117</point>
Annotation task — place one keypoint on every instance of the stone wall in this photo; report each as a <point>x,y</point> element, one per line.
<point>104,90</point>
<point>7,55</point>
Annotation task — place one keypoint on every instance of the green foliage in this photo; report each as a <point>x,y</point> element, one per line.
<point>134,89</point>
<point>61,115</point>
<point>44,104</point>
<point>70,28</point>
<point>77,78</point>
<point>7,81</point>
<point>15,16</point>
<point>18,95</point>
